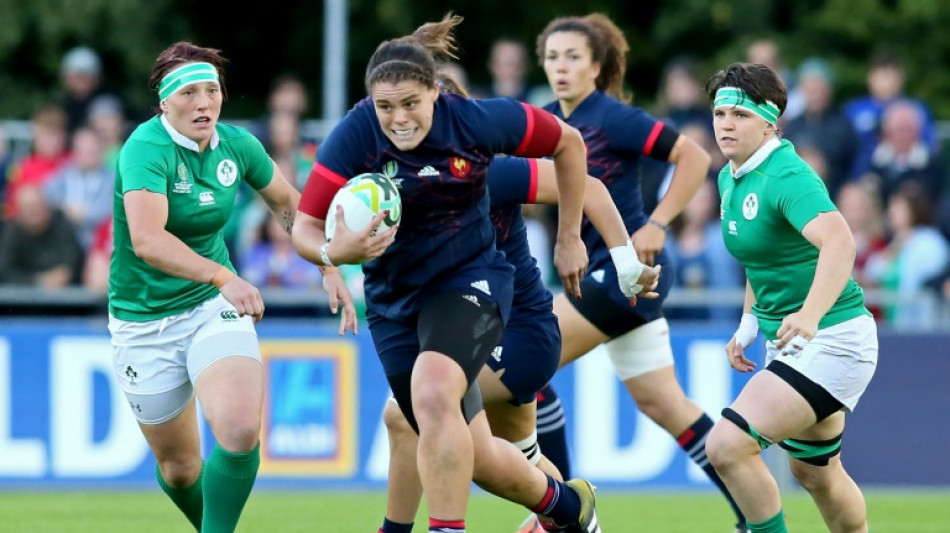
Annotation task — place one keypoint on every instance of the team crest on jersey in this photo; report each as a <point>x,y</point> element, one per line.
<point>459,167</point>
<point>750,206</point>
<point>182,186</point>
<point>227,172</point>
<point>390,169</point>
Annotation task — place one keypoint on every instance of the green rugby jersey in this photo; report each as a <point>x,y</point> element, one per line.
<point>763,213</point>
<point>201,188</point>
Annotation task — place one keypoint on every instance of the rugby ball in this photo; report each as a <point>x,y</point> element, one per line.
<point>362,198</point>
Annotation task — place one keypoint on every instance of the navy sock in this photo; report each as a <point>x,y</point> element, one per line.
<point>395,527</point>
<point>560,503</point>
<point>693,442</point>
<point>552,437</point>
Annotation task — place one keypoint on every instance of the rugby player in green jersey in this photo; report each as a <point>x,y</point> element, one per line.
<point>821,342</point>
<point>182,322</point>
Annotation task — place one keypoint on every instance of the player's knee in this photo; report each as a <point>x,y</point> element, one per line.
<point>732,440</point>
<point>241,436</point>
<point>434,403</point>
<point>395,421</point>
<point>181,471</point>
<point>812,478</point>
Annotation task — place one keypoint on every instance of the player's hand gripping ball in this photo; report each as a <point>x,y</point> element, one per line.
<point>362,198</point>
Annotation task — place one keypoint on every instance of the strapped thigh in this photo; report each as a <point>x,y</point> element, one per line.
<point>813,452</point>
<point>737,419</point>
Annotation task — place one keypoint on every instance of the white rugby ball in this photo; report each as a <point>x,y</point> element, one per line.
<point>362,198</point>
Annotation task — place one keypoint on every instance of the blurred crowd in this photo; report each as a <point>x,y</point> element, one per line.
<point>879,154</point>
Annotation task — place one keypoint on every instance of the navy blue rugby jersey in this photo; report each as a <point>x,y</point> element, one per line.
<point>617,135</point>
<point>445,211</point>
<point>513,181</point>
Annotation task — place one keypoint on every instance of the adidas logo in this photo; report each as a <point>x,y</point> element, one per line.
<point>496,353</point>
<point>428,171</point>
<point>472,298</point>
<point>598,275</point>
<point>482,285</point>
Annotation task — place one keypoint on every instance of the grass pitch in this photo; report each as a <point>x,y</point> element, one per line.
<point>148,511</point>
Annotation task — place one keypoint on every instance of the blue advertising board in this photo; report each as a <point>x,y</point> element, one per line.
<point>64,422</point>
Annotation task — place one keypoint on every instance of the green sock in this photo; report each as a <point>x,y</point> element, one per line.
<point>776,524</point>
<point>228,478</point>
<point>188,499</point>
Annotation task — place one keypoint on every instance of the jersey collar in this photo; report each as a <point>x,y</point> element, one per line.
<point>756,159</point>
<point>185,142</point>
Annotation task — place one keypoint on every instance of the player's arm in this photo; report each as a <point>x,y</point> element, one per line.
<point>147,215</point>
<point>347,247</point>
<point>599,207</point>
<point>745,335</point>
<point>692,165</point>
<point>281,199</point>
<point>829,233</point>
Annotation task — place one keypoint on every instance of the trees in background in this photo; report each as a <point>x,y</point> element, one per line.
<point>267,39</point>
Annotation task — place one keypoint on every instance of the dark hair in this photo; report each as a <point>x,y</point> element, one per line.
<point>760,82</point>
<point>413,57</point>
<point>607,45</point>
<point>918,203</point>
<point>181,53</point>
<point>886,58</point>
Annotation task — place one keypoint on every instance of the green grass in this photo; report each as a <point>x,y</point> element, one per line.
<point>361,512</point>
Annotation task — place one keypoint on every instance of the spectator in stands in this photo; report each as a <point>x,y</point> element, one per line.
<point>861,208</point>
<point>95,272</point>
<point>107,119</point>
<point>288,95</point>
<point>885,83</point>
<point>822,126</point>
<point>766,51</point>
<point>6,163</point>
<point>916,254</point>
<point>699,256</point>
<point>681,100</point>
<point>48,155</point>
<point>39,245</point>
<point>81,72</point>
<point>83,188</point>
<point>508,65</point>
<point>273,262</point>
<point>903,155</point>
<point>284,144</point>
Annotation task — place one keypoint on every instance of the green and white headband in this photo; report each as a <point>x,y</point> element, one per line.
<point>185,75</point>
<point>736,97</point>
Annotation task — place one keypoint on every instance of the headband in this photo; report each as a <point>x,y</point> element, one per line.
<point>736,97</point>
<point>185,75</point>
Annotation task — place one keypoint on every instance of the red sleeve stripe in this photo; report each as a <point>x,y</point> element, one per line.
<point>533,184</point>
<point>651,139</point>
<point>528,131</point>
<point>542,134</point>
<point>319,191</point>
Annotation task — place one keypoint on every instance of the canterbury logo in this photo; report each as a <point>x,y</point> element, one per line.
<point>230,315</point>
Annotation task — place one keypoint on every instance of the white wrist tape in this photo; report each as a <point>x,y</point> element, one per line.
<point>748,330</point>
<point>628,268</point>
<point>324,256</point>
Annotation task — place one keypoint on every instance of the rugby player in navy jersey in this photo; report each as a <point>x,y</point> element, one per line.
<point>584,59</point>
<point>438,292</point>
<point>530,348</point>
